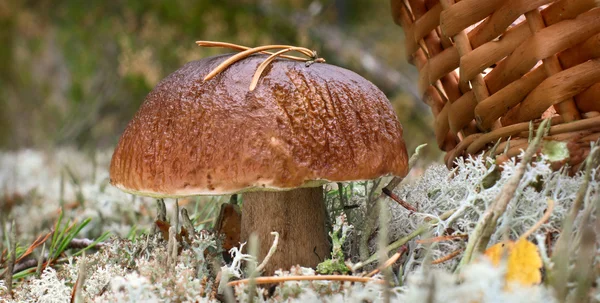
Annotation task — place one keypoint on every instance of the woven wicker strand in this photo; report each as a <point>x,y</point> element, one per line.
<point>488,68</point>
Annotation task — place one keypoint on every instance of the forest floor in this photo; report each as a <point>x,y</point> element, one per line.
<point>69,236</point>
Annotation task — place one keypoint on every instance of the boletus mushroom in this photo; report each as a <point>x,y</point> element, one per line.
<point>301,127</point>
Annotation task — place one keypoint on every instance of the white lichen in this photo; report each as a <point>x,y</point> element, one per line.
<point>440,190</point>
<point>49,288</point>
<point>135,271</point>
<point>129,288</point>
<point>478,282</point>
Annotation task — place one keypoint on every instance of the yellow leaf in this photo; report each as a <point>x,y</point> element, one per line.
<point>496,251</point>
<point>523,262</point>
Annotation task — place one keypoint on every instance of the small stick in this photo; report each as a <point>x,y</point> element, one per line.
<point>27,264</point>
<point>395,245</point>
<point>411,163</point>
<point>171,249</point>
<point>40,261</point>
<point>441,238</point>
<point>272,251</point>
<point>382,240</point>
<point>388,190</point>
<point>269,280</point>
<point>390,261</point>
<point>251,266</point>
<point>448,257</point>
<point>402,203</point>
<point>539,223</point>
<point>176,216</point>
<point>77,292</point>
<point>83,243</point>
<point>370,220</point>
<point>13,257</point>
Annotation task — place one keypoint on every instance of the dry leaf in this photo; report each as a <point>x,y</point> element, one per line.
<point>164,227</point>
<point>523,261</point>
<point>39,241</point>
<point>229,226</point>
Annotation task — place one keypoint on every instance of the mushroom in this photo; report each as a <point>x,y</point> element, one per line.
<point>301,127</point>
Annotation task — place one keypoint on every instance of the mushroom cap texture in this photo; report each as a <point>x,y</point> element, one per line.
<point>301,126</point>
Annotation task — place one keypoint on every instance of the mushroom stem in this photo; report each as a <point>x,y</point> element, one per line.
<point>298,216</point>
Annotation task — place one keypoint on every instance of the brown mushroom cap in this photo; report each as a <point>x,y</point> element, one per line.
<point>301,126</point>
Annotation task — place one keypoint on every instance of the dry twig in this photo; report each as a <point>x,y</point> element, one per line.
<point>11,262</point>
<point>389,262</point>
<point>543,220</point>
<point>373,211</point>
<point>447,257</point>
<point>395,197</point>
<point>272,251</point>
<point>441,238</point>
<point>269,280</point>
<point>419,231</point>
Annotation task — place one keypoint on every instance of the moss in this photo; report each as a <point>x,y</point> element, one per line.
<point>336,264</point>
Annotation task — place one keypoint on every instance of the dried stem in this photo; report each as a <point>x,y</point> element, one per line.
<point>171,249</point>
<point>487,224</point>
<point>411,163</point>
<point>40,261</point>
<point>441,238</point>
<point>251,266</point>
<point>29,263</point>
<point>370,220</point>
<point>382,240</point>
<point>270,253</point>
<point>77,294</point>
<point>395,245</point>
<point>402,203</point>
<point>269,280</point>
<point>83,243</point>
<point>389,262</point>
<point>447,257</point>
<point>539,223</point>
<point>11,262</point>
<point>176,216</point>
<point>373,210</point>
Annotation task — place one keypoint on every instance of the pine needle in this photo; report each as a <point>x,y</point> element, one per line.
<point>247,51</point>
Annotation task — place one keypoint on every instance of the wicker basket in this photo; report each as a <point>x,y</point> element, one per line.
<point>488,68</point>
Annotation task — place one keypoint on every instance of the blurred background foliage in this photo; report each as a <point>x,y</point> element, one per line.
<point>74,72</point>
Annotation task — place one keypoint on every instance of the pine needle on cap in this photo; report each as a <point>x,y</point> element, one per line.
<point>311,55</point>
